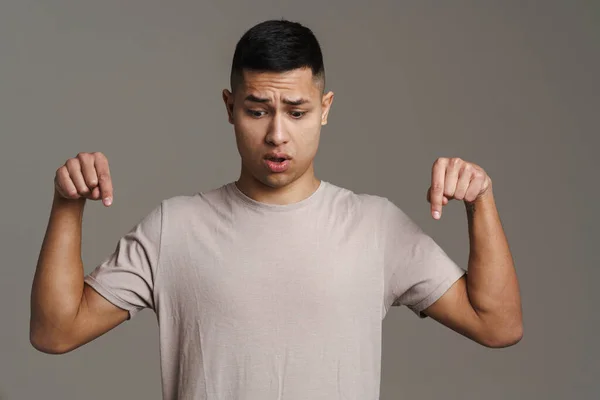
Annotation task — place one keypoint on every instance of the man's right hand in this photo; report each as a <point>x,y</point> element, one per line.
<point>85,176</point>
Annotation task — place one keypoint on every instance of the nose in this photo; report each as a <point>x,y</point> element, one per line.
<point>277,134</point>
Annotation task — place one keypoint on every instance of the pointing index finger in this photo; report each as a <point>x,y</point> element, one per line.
<point>438,176</point>
<point>104,180</point>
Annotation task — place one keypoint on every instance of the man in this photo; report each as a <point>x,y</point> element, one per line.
<point>274,286</point>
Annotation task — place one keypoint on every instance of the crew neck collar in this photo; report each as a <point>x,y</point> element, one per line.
<point>232,187</point>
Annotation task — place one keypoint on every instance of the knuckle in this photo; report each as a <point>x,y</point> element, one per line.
<point>72,163</point>
<point>103,177</point>
<point>455,161</point>
<point>85,158</point>
<point>99,156</point>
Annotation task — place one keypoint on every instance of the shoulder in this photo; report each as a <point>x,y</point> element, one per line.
<point>187,206</point>
<point>367,204</point>
<point>183,201</point>
<point>386,213</point>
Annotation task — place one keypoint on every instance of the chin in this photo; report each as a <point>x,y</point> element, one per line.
<point>277,180</point>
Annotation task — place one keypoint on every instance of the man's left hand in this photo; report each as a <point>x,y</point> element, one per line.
<point>454,178</point>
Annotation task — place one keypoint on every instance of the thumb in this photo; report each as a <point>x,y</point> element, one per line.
<point>95,194</point>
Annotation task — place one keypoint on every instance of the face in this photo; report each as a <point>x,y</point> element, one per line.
<point>277,119</point>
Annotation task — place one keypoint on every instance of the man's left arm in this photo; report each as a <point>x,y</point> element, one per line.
<point>485,304</point>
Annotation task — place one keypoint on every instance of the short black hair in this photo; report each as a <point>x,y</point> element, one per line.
<point>277,46</point>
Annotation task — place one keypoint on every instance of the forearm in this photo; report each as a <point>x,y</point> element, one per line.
<point>58,282</point>
<point>492,283</point>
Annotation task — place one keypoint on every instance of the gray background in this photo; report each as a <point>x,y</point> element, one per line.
<point>512,86</point>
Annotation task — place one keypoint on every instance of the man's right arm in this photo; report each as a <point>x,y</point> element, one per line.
<point>65,312</point>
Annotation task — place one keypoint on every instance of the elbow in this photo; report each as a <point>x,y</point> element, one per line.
<point>48,347</point>
<point>48,343</point>
<point>504,338</point>
<point>501,330</point>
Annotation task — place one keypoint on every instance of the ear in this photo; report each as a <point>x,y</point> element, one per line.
<point>326,106</point>
<point>228,100</point>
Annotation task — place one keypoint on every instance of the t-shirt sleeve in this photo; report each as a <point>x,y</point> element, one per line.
<point>126,277</point>
<point>417,270</point>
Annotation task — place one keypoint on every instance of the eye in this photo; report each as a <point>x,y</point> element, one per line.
<point>255,113</point>
<point>297,114</point>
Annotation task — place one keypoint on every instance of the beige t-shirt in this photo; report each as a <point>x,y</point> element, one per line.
<point>257,301</point>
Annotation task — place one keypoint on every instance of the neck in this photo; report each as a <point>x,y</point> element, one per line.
<point>280,194</point>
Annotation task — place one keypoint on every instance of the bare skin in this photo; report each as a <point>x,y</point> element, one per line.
<point>264,121</point>
<point>65,312</point>
<point>484,305</point>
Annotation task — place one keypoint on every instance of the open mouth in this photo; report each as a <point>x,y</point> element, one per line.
<point>277,164</point>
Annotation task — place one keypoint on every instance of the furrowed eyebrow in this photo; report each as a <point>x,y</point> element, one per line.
<point>295,102</point>
<point>255,99</point>
<point>290,102</point>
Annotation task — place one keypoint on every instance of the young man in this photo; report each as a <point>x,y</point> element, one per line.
<point>273,286</point>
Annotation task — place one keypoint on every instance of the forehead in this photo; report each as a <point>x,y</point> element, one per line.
<point>294,82</point>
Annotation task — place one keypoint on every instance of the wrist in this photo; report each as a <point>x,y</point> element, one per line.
<point>61,202</point>
<point>485,198</point>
